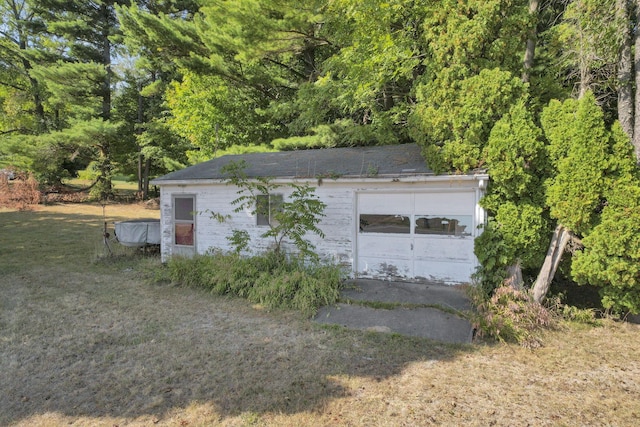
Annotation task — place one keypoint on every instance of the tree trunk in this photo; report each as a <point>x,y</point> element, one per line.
<point>585,78</point>
<point>145,190</point>
<point>636,125</point>
<point>625,67</point>
<point>26,64</point>
<point>557,247</point>
<point>140,176</point>
<point>529,53</point>
<point>105,170</point>
<point>584,48</point>
<point>514,276</point>
<point>106,61</point>
<point>139,131</point>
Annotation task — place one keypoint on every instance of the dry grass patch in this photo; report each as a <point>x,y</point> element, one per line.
<point>68,235</point>
<point>94,344</point>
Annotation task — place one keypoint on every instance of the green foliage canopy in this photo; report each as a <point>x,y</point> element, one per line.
<point>214,115</point>
<point>611,255</point>
<point>454,123</point>
<point>579,152</point>
<point>516,232</point>
<point>290,221</point>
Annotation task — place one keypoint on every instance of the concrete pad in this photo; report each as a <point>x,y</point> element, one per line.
<point>434,320</point>
<point>371,290</point>
<point>419,322</point>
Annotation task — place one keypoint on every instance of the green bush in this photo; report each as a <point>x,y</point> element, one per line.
<point>586,316</point>
<point>271,279</point>
<point>518,227</point>
<point>298,287</point>
<point>291,220</point>
<point>610,259</point>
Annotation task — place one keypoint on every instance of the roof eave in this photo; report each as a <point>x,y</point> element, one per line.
<point>346,179</point>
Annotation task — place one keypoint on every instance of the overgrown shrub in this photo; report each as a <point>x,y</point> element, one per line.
<point>586,316</point>
<point>610,259</point>
<point>518,228</point>
<point>510,315</point>
<point>272,279</point>
<point>291,220</point>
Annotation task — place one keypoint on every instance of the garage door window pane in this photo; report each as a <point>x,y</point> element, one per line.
<point>447,225</point>
<point>394,224</point>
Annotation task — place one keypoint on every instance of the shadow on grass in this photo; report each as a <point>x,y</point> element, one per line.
<point>86,341</point>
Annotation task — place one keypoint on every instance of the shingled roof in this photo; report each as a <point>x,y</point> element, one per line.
<point>348,162</point>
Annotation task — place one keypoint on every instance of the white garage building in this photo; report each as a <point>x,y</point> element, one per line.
<point>387,214</point>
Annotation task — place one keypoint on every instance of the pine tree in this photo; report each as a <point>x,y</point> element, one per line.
<point>20,50</point>
<point>82,79</point>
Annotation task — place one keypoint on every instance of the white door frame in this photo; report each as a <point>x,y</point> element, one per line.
<point>182,249</point>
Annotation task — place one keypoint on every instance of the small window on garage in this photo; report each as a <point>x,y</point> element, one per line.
<point>391,224</point>
<point>267,205</point>
<point>183,220</point>
<point>445,225</point>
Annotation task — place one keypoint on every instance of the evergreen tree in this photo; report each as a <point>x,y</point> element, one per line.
<point>515,202</point>
<point>469,81</point>
<point>157,148</point>
<point>21,95</point>
<point>82,79</point>
<point>610,257</point>
<point>588,162</point>
<point>146,146</point>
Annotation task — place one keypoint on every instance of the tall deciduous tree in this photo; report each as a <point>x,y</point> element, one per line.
<point>367,87</point>
<point>214,115</point>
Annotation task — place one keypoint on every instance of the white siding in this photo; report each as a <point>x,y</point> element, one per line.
<point>340,224</point>
<point>337,224</point>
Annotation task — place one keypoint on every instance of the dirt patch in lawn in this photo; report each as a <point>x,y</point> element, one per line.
<point>93,343</point>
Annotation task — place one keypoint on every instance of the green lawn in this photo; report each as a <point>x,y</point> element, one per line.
<point>118,184</point>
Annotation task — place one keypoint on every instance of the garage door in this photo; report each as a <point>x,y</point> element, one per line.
<point>416,235</point>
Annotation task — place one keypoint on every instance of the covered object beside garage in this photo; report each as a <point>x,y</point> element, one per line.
<point>387,214</point>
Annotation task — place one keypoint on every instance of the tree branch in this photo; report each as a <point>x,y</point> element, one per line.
<point>16,87</point>
<point>6,132</point>
<point>288,68</point>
